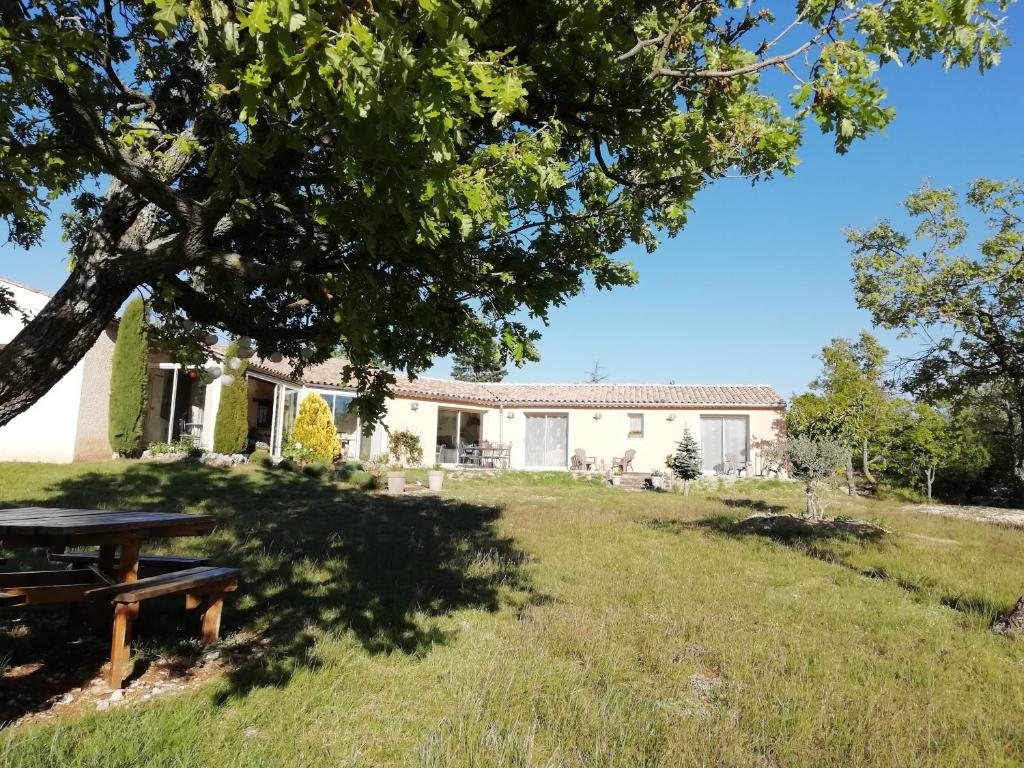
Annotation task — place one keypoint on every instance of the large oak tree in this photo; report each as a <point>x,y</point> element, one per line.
<point>391,178</point>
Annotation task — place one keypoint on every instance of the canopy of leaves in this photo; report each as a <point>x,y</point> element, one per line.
<point>967,304</point>
<point>387,176</point>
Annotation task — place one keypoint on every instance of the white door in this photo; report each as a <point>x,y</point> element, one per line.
<point>547,440</point>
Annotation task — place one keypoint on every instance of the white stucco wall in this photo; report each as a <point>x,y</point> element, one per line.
<point>47,430</point>
<point>603,438</point>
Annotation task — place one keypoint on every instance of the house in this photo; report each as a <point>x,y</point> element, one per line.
<point>542,425</point>
<point>69,423</point>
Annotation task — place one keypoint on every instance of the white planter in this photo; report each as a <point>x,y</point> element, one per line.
<point>435,478</point>
<point>615,479</point>
<point>657,482</point>
<point>396,483</point>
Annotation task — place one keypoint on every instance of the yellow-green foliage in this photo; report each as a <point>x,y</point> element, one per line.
<point>314,428</point>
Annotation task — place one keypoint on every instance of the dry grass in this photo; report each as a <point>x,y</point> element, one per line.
<point>546,621</point>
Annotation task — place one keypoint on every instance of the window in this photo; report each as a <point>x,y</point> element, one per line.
<point>636,425</point>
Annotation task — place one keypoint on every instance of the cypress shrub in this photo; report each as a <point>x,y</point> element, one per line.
<point>128,381</point>
<point>314,428</point>
<point>231,430</point>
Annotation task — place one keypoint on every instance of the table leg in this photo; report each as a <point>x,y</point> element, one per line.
<point>124,615</point>
<point>106,563</point>
<point>120,649</point>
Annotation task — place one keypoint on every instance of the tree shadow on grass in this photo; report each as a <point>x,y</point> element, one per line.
<point>785,529</point>
<point>812,538</point>
<point>315,557</point>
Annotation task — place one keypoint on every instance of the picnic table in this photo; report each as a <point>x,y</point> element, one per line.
<point>119,536</point>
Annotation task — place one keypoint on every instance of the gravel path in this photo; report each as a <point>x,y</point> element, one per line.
<point>997,515</point>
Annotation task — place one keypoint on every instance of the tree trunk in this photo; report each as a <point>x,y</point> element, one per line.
<point>929,478</point>
<point>1011,625</point>
<point>53,342</point>
<point>866,464</point>
<point>851,486</point>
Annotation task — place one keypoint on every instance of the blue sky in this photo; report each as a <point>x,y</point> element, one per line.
<point>760,279</point>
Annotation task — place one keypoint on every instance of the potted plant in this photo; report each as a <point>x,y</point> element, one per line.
<point>435,478</point>
<point>396,482</point>
<point>616,478</point>
<point>658,479</point>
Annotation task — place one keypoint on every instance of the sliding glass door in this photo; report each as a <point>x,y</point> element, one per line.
<point>547,440</point>
<point>724,442</point>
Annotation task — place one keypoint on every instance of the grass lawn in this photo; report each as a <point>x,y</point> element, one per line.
<point>530,620</point>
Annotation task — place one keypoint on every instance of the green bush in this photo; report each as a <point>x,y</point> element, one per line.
<point>231,430</point>
<point>129,381</point>
<point>260,457</point>
<point>319,468</point>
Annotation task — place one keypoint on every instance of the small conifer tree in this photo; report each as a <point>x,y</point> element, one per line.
<point>314,428</point>
<point>231,430</point>
<point>686,464</point>
<point>129,381</point>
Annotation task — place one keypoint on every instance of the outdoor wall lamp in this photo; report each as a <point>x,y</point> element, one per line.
<point>671,417</point>
<point>510,416</point>
<point>597,416</point>
<point>414,405</point>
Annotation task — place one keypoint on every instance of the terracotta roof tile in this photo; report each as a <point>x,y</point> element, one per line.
<point>508,395</point>
<point>607,395</point>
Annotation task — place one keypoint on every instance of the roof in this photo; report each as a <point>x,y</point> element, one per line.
<point>510,395</point>
<point>16,284</point>
<point>507,395</point>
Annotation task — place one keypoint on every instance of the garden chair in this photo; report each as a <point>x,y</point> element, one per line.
<point>625,463</point>
<point>580,462</point>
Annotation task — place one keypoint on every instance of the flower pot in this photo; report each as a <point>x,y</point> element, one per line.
<point>396,483</point>
<point>657,482</point>
<point>616,479</point>
<point>435,478</point>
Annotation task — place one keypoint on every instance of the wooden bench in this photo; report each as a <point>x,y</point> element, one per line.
<point>203,587</point>
<point>150,563</point>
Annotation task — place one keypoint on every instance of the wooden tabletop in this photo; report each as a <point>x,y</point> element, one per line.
<point>20,526</point>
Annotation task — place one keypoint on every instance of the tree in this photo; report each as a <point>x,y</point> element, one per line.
<point>129,380</point>
<point>481,364</point>
<point>967,307</point>
<point>815,463</point>
<point>849,403</point>
<point>686,464</point>
<point>595,375</point>
<point>231,429</point>
<point>391,176</point>
<point>314,428</point>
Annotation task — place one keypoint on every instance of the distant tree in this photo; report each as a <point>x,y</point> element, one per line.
<point>967,306</point>
<point>314,430</point>
<point>815,463</point>
<point>849,403</point>
<point>686,464</point>
<point>129,380</point>
<point>595,375</point>
<point>930,443</point>
<point>470,367</point>
<point>231,429</point>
